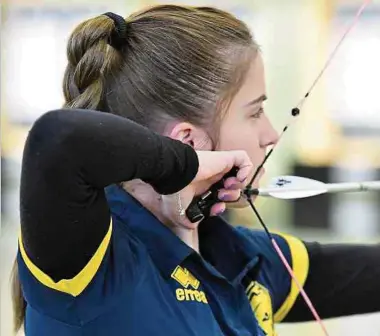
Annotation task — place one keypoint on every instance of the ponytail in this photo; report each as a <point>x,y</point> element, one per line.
<point>90,59</point>
<point>18,301</point>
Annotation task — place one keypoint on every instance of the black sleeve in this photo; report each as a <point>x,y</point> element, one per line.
<point>69,157</point>
<point>343,280</point>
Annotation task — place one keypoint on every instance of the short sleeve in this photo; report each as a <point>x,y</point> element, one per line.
<point>73,286</point>
<point>273,274</point>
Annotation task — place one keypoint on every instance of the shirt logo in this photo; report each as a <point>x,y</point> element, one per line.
<point>190,291</point>
<point>261,304</point>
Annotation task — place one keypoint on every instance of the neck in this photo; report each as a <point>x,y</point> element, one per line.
<point>152,201</point>
<point>188,236</point>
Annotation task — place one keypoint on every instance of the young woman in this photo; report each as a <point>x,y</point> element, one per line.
<point>127,261</point>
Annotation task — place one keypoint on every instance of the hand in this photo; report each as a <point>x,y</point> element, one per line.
<point>213,165</point>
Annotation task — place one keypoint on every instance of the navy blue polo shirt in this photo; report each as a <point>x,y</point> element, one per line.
<point>144,280</point>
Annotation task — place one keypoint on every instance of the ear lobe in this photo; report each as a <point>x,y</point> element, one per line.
<point>188,141</point>
<point>183,133</point>
<point>187,138</point>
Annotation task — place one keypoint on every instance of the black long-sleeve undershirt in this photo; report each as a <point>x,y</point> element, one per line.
<point>343,279</point>
<point>70,156</point>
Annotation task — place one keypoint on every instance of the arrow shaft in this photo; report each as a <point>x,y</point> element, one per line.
<point>353,186</point>
<point>323,188</point>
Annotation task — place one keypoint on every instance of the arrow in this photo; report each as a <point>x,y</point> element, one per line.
<point>293,187</point>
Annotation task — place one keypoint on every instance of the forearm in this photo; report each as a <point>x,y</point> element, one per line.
<point>110,149</point>
<point>69,157</point>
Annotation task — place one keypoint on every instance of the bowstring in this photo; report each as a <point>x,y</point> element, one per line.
<point>289,269</point>
<point>296,110</point>
<point>294,113</point>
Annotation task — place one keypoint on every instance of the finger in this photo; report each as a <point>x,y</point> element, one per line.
<point>244,164</point>
<point>213,163</point>
<point>229,195</point>
<point>244,173</point>
<point>233,183</point>
<point>215,178</point>
<point>217,209</point>
<point>204,186</point>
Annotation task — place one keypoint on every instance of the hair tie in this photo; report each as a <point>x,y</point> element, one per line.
<point>118,38</point>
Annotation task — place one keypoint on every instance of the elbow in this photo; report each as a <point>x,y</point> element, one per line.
<point>52,129</point>
<point>50,137</point>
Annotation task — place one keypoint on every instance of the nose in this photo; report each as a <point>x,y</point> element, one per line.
<point>269,135</point>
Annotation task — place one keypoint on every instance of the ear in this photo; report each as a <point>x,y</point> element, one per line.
<point>191,135</point>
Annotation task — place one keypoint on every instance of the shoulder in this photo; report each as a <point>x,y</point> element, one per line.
<point>273,274</point>
<point>290,245</point>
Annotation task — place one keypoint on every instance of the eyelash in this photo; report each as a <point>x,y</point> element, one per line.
<point>258,114</point>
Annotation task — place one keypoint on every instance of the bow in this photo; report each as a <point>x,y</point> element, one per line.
<point>248,192</point>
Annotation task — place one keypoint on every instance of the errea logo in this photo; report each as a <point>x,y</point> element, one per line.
<point>190,291</point>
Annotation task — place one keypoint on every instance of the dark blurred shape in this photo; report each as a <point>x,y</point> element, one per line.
<point>312,212</point>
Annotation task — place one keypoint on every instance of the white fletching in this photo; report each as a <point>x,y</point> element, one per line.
<point>290,187</point>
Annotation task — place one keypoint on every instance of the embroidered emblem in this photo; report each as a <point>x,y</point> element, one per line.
<point>261,304</point>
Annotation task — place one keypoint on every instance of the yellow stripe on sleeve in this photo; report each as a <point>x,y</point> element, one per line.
<point>300,265</point>
<point>76,285</point>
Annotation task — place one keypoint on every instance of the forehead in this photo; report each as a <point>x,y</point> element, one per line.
<point>254,83</point>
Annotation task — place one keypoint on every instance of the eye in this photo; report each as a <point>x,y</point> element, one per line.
<point>258,113</point>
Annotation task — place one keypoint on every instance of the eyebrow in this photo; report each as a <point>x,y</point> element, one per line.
<point>257,100</point>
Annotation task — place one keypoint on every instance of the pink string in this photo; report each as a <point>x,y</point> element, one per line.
<point>351,26</point>
<point>300,104</point>
<point>300,288</point>
<point>320,74</point>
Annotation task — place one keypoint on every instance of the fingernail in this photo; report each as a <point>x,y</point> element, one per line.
<point>223,197</point>
<point>220,212</point>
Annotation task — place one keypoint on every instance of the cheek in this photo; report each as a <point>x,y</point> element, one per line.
<point>203,142</point>
<point>241,137</point>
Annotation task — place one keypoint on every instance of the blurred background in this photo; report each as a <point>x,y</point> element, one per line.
<point>335,139</point>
